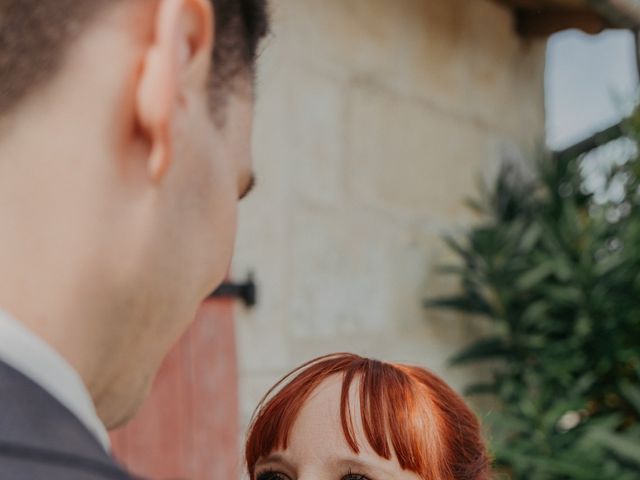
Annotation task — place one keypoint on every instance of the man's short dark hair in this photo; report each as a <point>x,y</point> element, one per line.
<point>240,25</point>
<point>35,35</point>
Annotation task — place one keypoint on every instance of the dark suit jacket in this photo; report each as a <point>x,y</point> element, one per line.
<point>40,439</point>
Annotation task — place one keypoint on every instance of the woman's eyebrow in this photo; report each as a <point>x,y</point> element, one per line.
<point>273,458</point>
<point>372,471</point>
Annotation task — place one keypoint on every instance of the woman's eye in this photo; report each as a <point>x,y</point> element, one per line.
<point>354,476</point>
<point>272,476</point>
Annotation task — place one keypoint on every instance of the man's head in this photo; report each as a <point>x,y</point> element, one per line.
<point>35,35</point>
<point>124,148</point>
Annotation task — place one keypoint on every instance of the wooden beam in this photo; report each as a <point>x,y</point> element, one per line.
<point>594,141</point>
<point>545,17</point>
<point>621,13</point>
<point>546,4</point>
<point>544,22</point>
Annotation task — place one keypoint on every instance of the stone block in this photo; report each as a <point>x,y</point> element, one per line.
<point>413,46</point>
<point>338,266</point>
<point>405,157</point>
<point>299,134</point>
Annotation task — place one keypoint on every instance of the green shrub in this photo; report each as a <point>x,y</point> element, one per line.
<point>555,266</point>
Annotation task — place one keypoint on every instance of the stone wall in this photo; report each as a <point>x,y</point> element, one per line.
<point>375,120</point>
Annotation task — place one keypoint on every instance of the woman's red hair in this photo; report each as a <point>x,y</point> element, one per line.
<point>405,410</point>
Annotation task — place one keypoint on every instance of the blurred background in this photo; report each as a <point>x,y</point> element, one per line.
<point>376,122</point>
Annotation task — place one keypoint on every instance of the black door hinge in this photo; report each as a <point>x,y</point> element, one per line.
<point>247,292</point>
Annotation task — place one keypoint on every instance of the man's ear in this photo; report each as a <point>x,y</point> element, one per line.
<point>177,59</point>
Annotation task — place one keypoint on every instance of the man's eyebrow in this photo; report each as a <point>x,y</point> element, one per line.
<point>250,186</point>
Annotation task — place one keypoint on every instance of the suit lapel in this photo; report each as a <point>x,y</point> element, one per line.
<point>35,426</point>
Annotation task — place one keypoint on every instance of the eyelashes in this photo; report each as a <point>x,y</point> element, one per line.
<point>354,476</point>
<point>273,475</point>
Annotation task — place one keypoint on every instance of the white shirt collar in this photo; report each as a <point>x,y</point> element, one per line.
<point>34,358</point>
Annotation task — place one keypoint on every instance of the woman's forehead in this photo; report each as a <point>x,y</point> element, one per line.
<point>318,432</point>
<point>321,416</point>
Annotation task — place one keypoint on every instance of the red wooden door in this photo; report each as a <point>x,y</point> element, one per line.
<point>187,429</point>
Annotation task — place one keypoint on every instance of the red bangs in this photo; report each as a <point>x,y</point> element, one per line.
<point>406,411</point>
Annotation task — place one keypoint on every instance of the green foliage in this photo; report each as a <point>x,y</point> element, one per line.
<point>555,265</point>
